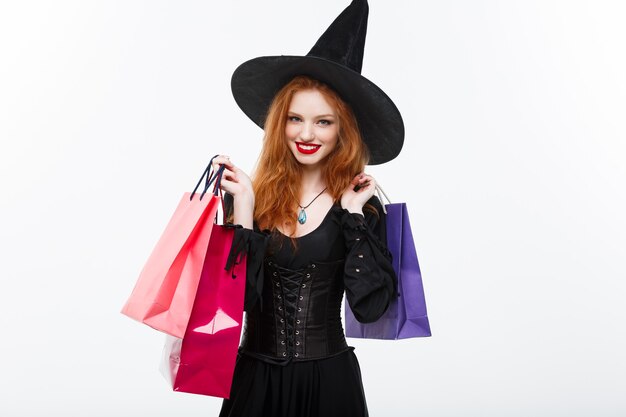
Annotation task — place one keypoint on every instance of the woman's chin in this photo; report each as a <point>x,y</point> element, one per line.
<point>310,161</point>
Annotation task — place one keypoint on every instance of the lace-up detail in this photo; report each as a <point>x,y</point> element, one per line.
<point>301,317</point>
<point>298,315</point>
<point>291,290</point>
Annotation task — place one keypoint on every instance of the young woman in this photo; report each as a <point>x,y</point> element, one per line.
<point>311,225</point>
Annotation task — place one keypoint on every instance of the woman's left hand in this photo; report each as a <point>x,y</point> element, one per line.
<point>353,201</point>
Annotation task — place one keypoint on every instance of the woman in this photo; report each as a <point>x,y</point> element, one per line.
<point>312,227</point>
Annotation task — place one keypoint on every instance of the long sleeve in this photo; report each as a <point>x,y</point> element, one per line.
<point>369,278</point>
<point>253,244</point>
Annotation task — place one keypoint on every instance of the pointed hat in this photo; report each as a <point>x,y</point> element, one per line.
<point>336,60</point>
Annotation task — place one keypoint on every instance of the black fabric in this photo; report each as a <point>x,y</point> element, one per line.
<point>247,242</point>
<point>368,257</point>
<point>295,366</point>
<point>329,387</point>
<point>344,40</point>
<point>300,319</point>
<point>252,243</point>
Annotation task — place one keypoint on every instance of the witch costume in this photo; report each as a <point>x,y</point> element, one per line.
<point>294,359</point>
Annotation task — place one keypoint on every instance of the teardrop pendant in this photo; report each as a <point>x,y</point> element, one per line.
<point>302,217</point>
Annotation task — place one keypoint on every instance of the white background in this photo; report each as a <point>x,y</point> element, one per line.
<point>513,171</point>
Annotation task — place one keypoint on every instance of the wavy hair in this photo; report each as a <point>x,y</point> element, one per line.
<point>276,180</point>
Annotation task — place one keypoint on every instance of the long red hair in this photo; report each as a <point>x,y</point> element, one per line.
<point>276,181</point>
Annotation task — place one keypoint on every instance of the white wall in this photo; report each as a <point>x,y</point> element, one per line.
<point>513,171</point>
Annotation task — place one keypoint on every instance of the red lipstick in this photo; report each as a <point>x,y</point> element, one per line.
<point>307,149</point>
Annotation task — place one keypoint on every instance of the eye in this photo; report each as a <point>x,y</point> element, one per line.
<point>293,119</point>
<point>325,122</point>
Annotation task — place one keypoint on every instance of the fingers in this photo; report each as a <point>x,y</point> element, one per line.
<point>362,177</point>
<point>362,181</point>
<point>228,186</point>
<point>222,160</point>
<point>229,175</point>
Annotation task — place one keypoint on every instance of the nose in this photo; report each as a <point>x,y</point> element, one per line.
<point>306,134</point>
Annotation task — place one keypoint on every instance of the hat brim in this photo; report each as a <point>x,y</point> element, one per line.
<point>255,83</point>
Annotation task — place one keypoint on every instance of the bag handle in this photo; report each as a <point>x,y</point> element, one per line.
<point>217,191</point>
<point>380,192</point>
<point>211,176</point>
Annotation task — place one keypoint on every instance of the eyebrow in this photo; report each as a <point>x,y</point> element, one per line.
<point>321,115</point>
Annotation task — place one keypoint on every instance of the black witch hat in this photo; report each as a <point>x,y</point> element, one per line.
<point>336,60</point>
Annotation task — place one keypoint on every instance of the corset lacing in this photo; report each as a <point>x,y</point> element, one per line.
<point>290,284</point>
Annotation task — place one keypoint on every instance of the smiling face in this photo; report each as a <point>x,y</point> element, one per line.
<point>312,127</point>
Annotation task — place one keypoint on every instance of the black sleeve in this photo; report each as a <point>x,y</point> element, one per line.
<point>369,277</point>
<point>252,244</point>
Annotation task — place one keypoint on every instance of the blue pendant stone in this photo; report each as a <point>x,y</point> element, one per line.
<point>302,217</point>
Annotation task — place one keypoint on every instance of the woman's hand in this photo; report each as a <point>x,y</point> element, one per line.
<point>353,201</point>
<point>236,182</point>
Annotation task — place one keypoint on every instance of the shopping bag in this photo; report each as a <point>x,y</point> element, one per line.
<point>163,295</point>
<point>203,362</point>
<point>406,315</point>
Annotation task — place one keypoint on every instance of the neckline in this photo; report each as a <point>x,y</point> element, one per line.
<point>319,226</point>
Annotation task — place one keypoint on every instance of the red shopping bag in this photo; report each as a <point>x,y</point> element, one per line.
<point>203,362</point>
<point>164,293</point>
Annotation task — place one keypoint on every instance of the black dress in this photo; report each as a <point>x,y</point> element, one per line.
<point>294,359</point>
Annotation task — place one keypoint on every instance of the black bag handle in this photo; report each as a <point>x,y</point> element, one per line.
<point>211,176</point>
<point>214,177</point>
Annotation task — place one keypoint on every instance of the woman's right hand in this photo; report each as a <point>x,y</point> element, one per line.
<point>236,182</point>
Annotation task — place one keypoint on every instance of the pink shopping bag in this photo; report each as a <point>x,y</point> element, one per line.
<point>203,362</point>
<point>164,294</point>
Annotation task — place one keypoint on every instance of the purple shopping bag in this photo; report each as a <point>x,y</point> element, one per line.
<point>406,316</point>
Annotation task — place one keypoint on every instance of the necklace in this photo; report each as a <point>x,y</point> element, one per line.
<point>302,214</point>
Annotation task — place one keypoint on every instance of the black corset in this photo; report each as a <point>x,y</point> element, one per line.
<point>300,317</point>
